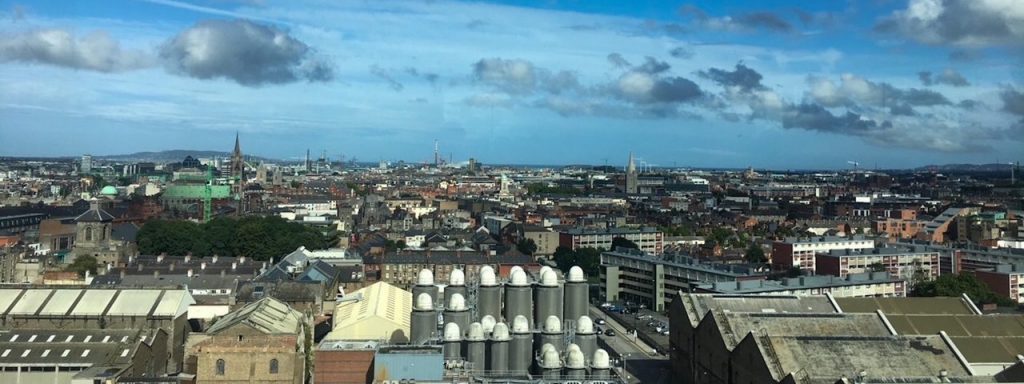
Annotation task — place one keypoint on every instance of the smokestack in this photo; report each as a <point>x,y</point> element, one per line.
<point>202,266</point>
<point>234,266</point>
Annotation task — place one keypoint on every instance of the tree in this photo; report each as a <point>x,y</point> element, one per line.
<point>526,247</point>
<point>82,264</point>
<point>755,254</point>
<point>959,284</point>
<point>588,259</point>
<point>622,242</point>
<point>876,267</point>
<point>401,245</point>
<point>795,271</point>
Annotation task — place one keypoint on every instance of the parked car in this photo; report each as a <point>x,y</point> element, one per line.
<point>599,321</point>
<point>609,333</point>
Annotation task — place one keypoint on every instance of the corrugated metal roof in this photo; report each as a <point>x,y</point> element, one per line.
<point>268,315</point>
<point>30,302</point>
<point>7,297</point>
<point>382,312</point>
<point>93,302</point>
<point>904,305</point>
<point>135,302</point>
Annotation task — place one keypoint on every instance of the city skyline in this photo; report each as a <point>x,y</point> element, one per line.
<point>760,84</point>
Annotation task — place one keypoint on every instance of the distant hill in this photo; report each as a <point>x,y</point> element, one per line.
<point>173,155</point>
<point>991,167</point>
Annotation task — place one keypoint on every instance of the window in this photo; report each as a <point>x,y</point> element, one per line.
<point>273,365</point>
<point>220,367</point>
<point>88,233</point>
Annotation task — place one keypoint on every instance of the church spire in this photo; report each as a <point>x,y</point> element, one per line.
<point>238,147</point>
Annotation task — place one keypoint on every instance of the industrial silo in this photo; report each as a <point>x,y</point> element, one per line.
<point>423,324</point>
<point>452,342</point>
<point>520,349</point>
<point>456,285</point>
<point>586,336</point>
<point>489,294</point>
<point>548,295</point>
<point>549,363</point>
<point>476,347</point>
<point>576,294</point>
<point>488,323</point>
<point>498,359</point>
<point>425,283</point>
<point>551,334</point>
<point>519,297</point>
<point>600,365</point>
<point>457,312</point>
<point>575,366</point>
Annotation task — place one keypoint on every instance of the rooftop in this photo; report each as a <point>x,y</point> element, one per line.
<point>904,305</point>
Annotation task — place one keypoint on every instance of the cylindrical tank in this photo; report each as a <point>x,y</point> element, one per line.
<point>488,323</point>
<point>452,342</point>
<point>457,312</point>
<point>586,337</point>
<point>476,347</point>
<point>575,366</point>
<point>520,349</point>
<point>425,283</point>
<point>456,285</point>
<point>551,334</point>
<point>489,294</point>
<point>498,357</point>
<point>423,324</point>
<point>576,298</point>
<point>548,295</point>
<point>549,363</point>
<point>600,365</point>
<point>519,297</point>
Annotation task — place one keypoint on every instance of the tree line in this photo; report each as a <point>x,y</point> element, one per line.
<point>257,237</point>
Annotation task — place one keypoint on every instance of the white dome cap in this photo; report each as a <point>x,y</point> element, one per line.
<point>600,360</point>
<point>549,359</point>
<point>426,277</point>
<point>552,325</point>
<point>500,332</point>
<point>487,276</point>
<point>424,302</point>
<point>576,275</point>
<point>546,347</point>
<point>476,332</point>
<point>548,278</point>
<point>574,359</point>
<point>518,278</point>
<point>458,302</point>
<point>457,277</point>
<point>451,332</point>
<point>514,269</point>
<point>488,323</point>
<point>520,324</point>
<point>540,274</point>
<point>572,347</point>
<point>584,325</point>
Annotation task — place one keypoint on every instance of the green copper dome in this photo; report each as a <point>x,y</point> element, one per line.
<point>109,191</point>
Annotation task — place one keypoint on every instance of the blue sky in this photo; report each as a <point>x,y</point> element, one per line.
<point>773,84</point>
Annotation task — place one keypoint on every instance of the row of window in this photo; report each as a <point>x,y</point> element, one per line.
<point>222,366</point>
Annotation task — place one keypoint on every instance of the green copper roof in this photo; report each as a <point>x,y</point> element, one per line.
<point>109,190</point>
<point>196,192</point>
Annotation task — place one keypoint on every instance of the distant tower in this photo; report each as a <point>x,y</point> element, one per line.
<point>86,164</point>
<point>261,174</point>
<point>278,177</point>
<point>307,160</point>
<point>237,164</point>
<point>631,182</point>
<point>437,155</point>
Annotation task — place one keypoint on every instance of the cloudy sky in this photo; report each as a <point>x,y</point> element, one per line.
<point>759,83</point>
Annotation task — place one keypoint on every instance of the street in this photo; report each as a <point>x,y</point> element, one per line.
<point>643,365</point>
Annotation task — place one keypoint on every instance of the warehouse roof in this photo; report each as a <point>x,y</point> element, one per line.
<point>958,325</point>
<point>268,315</point>
<point>94,302</point>
<point>738,325</point>
<point>990,349</point>
<point>905,305</point>
<point>701,303</point>
<point>378,312</point>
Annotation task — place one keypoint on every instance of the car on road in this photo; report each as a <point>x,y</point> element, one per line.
<point>599,321</point>
<point>609,333</point>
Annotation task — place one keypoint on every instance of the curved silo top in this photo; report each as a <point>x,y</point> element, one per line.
<point>584,325</point>
<point>574,359</point>
<point>487,276</point>
<point>601,360</point>
<point>520,324</point>
<point>552,325</point>
<point>573,347</point>
<point>576,275</point>
<point>500,332</point>
<point>514,269</point>
<point>424,302</point>
<point>452,332</point>
<point>425,277</point>
<point>548,278</point>
<point>458,302</point>
<point>488,323</point>
<point>518,278</point>
<point>550,359</point>
<point>457,277</point>
<point>476,332</point>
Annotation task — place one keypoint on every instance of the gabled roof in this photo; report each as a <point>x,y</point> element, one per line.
<point>268,315</point>
<point>97,215</point>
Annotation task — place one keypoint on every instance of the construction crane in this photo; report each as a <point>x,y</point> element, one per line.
<point>208,196</point>
<point>854,163</point>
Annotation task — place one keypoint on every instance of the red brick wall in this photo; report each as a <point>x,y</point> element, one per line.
<point>343,367</point>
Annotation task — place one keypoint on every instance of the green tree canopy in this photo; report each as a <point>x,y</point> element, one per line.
<point>623,243</point>
<point>755,254</point>
<point>82,264</point>
<point>526,247</point>
<point>956,285</point>
<point>258,237</point>
<point>588,259</point>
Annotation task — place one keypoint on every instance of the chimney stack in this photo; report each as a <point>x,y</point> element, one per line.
<point>202,266</point>
<point>190,272</point>
<point>160,258</point>
<point>188,257</point>
<point>156,274</point>
<point>122,274</point>
<point>214,259</point>
<point>222,273</point>
<point>234,266</point>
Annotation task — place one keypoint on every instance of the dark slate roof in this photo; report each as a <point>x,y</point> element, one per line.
<point>281,290</point>
<point>94,216</point>
<point>124,232</point>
